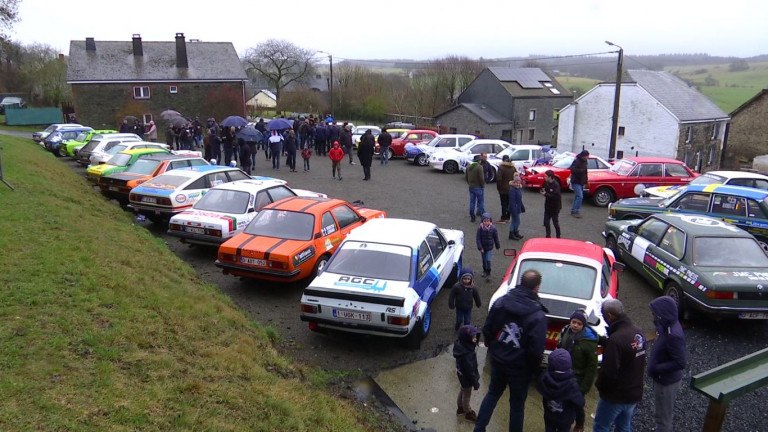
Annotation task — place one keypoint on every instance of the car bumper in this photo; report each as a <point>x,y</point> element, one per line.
<point>155,211</point>
<point>201,239</point>
<point>239,270</point>
<point>438,165</point>
<point>351,327</point>
<point>741,312</point>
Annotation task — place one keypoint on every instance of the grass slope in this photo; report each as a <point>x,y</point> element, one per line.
<point>103,328</point>
<point>732,88</point>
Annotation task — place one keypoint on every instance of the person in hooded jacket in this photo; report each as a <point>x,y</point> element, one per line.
<point>336,155</point>
<point>462,294</point>
<point>466,369</point>
<point>560,395</point>
<point>290,151</point>
<point>276,149</point>
<point>580,341</point>
<point>579,170</point>
<point>345,139</point>
<point>552,202</point>
<point>667,360</point>
<point>486,238</point>
<point>515,333</point>
<point>365,152</point>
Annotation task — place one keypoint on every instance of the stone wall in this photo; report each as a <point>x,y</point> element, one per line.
<point>702,152</point>
<point>748,133</point>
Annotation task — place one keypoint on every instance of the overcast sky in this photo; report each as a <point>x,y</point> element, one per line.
<point>414,29</point>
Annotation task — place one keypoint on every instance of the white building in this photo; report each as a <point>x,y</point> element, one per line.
<point>262,99</point>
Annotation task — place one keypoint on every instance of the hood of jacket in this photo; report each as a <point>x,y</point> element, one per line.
<point>664,312</point>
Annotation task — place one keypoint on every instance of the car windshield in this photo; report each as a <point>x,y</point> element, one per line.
<point>162,181</point>
<point>708,179</point>
<point>624,167</point>
<point>564,162</point>
<point>393,262</point>
<point>143,166</point>
<point>434,141</point>
<point>50,129</point>
<point>728,252</point>
<point>562,278</point>
<point>282,224</point>
<point>224,201</point>
<point>120,159</point>
<point>116,149</point>
<point>81,137</point>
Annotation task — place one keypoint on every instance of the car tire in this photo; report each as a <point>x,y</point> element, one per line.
<point>60,152</point>
<point>390,154</point>
<point>451,167</point>
<point>610,243</point>
<point>603,196</point>
<point>421,160</point>
<point>673,290</point>
<point>420,330</point>
<point>320,264</point>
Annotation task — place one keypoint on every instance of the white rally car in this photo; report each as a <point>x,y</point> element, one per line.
<point>449,159</point>
<point>383,278</point>
<point>228,208</point>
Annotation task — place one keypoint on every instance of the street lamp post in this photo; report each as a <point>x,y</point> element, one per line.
<point>616,99</point>
<point>330,89</point>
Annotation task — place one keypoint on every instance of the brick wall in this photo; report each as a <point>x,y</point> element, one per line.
<point>748,133</point>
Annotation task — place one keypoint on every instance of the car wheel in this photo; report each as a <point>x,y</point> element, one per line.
<point>602,197</point>
<point>451,167</point>
<point>421,160</point>
<point>390,154</point>
<point>673,290</point>
<point>320,265</point>
<point>611,244</point>
<point>492,177</point>
<point>420,330</point>
<point>61,152</point>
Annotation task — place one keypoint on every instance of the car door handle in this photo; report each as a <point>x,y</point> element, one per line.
<point>438,266</point>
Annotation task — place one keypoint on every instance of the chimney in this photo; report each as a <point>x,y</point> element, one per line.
<point>181,51</point>
<point>90,44</point>
<point>137,48</point>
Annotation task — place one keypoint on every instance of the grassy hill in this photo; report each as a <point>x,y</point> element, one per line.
<point>728,89</point>
<point>104,328</point>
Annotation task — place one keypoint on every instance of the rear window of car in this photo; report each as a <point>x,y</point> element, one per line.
<point>282,224</point>
<point>562,278</point>
<point>120,159</point>
<point>143,166</point>
<point>728,252</point>
<point>393,262</point>
<point>116,149</point>
<point>166,180</point>
<point>225,201</point>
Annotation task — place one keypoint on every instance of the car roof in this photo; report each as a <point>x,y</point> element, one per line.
<point>118,135</point>
<point>701,225</point>
<point>756,194</point>
<point>456,136</point>
<point>144,150</point>
<point>648,159</point>
<point>404,232</point>
<point>251,185</point>
<point>554,246</point>
<point>311,205</point>
<point>421,131</point>
<point>737,174</point>
<point>206,168</point>
<point>488,141</point>
<point>165,156</point>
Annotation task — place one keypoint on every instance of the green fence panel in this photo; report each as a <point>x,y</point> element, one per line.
<point>33,116</point>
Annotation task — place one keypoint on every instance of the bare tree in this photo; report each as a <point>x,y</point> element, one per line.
<point>281,63</point>
<point>453,74</point>
<point>9,15</point>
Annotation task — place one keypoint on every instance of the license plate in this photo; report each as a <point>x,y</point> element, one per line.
<point>358,316</point>
<point>114,189</point>
<point>147,199</point>
<point>253,261</point>
<point>753,315</point>
<point>195,230</point>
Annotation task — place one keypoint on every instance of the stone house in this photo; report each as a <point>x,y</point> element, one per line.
<point>659,115</point>
<point>748,132</point>
<point>518,105</point>
<point>113,79</point>
<point>262,99</point>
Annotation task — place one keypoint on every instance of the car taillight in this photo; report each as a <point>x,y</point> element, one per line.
<point>164,201</point>
<point>227,257</point>
<point>277,264</point>
<point>308,308</point>
<point>722,295</point>
<point>398,320</point>
<point>175,227</point>
<point>214,232</point>
<point>133,197</point>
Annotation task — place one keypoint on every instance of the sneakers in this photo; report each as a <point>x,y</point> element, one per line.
<point>472,219</point>
<point>471,416</point>
<point>459,410</point>
<point>576,215</point>
<point>501,221</point>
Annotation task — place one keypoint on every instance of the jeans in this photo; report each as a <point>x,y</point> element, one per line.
<point>578,197</point>
<point>609,413</point>
<point>487,255</point>
<point>227,155</point>
<point>463,316</point>
<point>290,159</point>
<point>518,392</point>
<point>555,217</point>
<point>664,405</point>
<point>306,164</point>
<point>514,222</point>
<point>476,194</point>
<point>504,198</point>
<point>384,155</point>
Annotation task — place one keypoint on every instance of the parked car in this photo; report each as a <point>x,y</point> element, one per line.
<point>39,136</point>
<point>54,139</point>
<point>448,160</point>
<point>630,176</point>
<point>360,130</point>
<point>119,186</point>
<point>415,136</point>
<point>120,162</point>
<point>67,148</point>
<point>397,133</point>
<point>413,260</point>
<point>733,178</point>
<point>703,263</point>
<point>11,102</point>
<point>521,155</point>
<point>291,239</point>
<point>227,208</point>
<point>99,142</point>
<point>178,190</point>
<point>575,275</point>
<point>420,153</point>
<point>113,147</point>
<point>747,208</point>
<point>533,177</point>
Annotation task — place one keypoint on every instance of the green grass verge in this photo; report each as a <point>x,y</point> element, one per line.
<point>727,89</point>
<point>103,328</point>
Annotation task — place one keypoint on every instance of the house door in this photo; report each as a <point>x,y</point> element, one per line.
<point>506,135</point>
<point>519,136</point>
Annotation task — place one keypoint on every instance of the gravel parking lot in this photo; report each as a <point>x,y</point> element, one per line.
<point>407,191</point>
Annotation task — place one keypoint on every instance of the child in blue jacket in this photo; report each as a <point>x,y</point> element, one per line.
<point>487,237</point>
<point>560,394</point>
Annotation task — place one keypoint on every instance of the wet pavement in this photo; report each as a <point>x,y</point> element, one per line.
<point>426,391</point>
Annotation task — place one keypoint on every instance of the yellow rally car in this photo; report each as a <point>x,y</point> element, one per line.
<point>120,162</point>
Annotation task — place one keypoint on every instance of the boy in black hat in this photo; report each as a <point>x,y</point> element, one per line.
<point>462,294</point>
<point>581,342</point>
<point>466,369</point>
<point>563,401</point>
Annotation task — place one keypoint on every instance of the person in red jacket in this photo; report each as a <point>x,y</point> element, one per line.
<point>336,155</point>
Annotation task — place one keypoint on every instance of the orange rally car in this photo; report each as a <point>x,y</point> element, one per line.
<point>292,239</point>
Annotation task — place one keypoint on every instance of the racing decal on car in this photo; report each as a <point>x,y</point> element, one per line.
<point>180,198</point>
<point>753,276</point>
<point>328,244</point>
<point>625,240</point>
<point>361,283</point>
<point>682,271</point>
<point>303,256</point>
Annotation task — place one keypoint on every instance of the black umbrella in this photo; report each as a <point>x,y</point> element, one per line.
<point>178,121</point>
<point>169,114</point>
<point>235,121</point>
<point>130,118</point>
<point>250,134</point>
<point>279,124</point>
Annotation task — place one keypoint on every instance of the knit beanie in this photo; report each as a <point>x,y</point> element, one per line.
<point>580,315</point>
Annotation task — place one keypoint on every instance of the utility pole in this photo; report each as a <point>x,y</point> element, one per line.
<point>616,99</point>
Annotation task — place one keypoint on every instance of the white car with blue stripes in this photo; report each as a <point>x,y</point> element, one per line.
<point>383,278</point>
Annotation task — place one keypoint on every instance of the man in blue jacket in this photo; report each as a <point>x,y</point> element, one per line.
<point>667,361</point>
<point>515,332</point>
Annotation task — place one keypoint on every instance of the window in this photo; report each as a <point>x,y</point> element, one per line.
<point>454,130</point>
<point>755,211</point>
<point>463,141</point>
<point>531,134</point>
<point>729,205</point>
<point>675,170</point>
<point>279,192</point>
<point>345,216</point>
<point>712,155</point>
<point>673,242</point>
<point>215,179</point>
<point>147,119</point>
<point>482,148</point>
<point>651,170</point>
<point>141,92</point>
<point>555,114</point>
<point>687,158</point>
<point>652,230</point>
<point>689,135</point>
<point>532,115</point>
<point>605,283</point>
<point>237,175</point>
<point>715,131</point>
<point>436,242</point>
<point>692,202</point>
<point>621,130</point>
<point>173,89</point>
<point>329,225</point>
<point>425,260</point>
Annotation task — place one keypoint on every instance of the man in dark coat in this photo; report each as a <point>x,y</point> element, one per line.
<point>552,202</point>
<point>365,152</point>
<point>620,380</point>
<point>345,140</point>
<point>476,182</point>
<point>333,134</point>
<point>504,179</point>
<point>515,333</point>
<point>578,180</point>
<point>385,140</point>
<point>667,362</point>
<point>320,135</point>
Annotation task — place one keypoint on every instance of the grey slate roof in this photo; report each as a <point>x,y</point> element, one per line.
<point>683,101</point>
<point>485,113</point>
<point>113,61</point>
<point>526,77</point>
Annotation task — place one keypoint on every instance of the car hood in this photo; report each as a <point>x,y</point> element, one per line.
<point>662,191</point>
<point>638,202</point>
<point>102,168</point>
<point>328,281</point>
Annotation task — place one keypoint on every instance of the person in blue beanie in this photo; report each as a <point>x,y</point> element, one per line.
<point>560,394</point>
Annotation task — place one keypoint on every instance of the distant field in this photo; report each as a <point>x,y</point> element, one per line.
<point>730,89</point>
<point>583,84</point>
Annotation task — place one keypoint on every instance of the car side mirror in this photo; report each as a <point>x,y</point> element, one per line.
<point>619,267</point>
<point>632,228</point>
<point>510,252</point>
<point>251,210</point>
<point>593,319</point>
<point>363,219</point>
<point>451,242</point>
